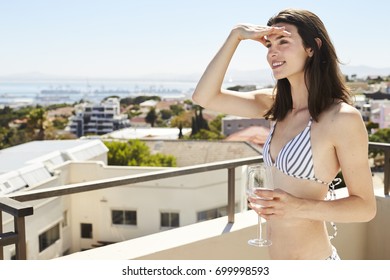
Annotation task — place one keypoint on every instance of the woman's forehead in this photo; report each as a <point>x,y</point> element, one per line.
<point>289,27</point>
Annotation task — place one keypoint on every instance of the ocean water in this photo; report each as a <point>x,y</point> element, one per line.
<point>19,93</point>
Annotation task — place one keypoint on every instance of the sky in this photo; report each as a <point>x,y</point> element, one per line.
<point>134,38</point>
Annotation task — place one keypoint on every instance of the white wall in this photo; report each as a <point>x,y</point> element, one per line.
<point>185,195</point>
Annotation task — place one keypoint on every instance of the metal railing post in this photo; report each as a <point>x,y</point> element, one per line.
<point>386,181</point>
<point>20,246</point>
<point>18,237</point>
<point>231,194</point>
<point>1,231</point>
<point>385,148</point>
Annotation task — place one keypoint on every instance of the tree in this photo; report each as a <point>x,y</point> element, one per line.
<point>184,119</point>
<point>136,153</point>
<point>205,134</point>
<point>201,128</point>
<point>198,122</point>
<point>166,114</point>
<point>11,137</point>
<point>151,116</point>
<point>180,131</point>
<point>216,124</point>
<point>6,115</point>
<point>176,109</point>
<point>371,126</point>
<point>36,120</point>
<point>381,136</point>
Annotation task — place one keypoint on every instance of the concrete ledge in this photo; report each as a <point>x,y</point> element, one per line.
<point>214,239</point>
<point>218,240</point>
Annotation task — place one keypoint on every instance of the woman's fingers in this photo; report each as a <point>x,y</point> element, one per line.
<point>274,204</point>
<point>259,32</point>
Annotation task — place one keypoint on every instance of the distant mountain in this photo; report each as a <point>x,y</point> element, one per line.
<point>363,71</point>
<point>257,76</point>
<point>264,76</point>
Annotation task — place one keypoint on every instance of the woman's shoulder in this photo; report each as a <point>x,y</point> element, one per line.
<point>344,111</point>
<point>342,115</point>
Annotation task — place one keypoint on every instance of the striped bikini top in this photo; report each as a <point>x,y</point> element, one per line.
<point>295,158</point>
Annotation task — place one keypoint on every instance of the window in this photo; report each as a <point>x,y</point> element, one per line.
<point>169,220</point>
<point>211,214</point>
<point>65,219</point>
<point>124,217</point>
<point>49,237</point>
<point>86,230</point>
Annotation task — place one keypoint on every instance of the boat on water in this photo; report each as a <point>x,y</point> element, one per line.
<point>60,91</point>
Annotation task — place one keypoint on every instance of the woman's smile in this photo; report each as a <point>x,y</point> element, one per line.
<point>277,64</point>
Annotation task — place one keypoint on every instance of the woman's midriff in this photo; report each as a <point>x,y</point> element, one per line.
<point>298,239</point>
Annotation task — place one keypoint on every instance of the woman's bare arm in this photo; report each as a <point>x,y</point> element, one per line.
<point>209,93</point>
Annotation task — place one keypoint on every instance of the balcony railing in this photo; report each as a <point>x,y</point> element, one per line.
<point>18,237</point>
<point>14,203</point>
<point>385,147</point>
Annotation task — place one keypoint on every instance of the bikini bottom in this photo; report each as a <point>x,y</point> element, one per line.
<point>334,256</point>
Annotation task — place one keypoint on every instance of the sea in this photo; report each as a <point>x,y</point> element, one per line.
<point>47,92</point>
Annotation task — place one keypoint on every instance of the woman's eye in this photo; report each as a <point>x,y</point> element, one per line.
<point>283,42</point>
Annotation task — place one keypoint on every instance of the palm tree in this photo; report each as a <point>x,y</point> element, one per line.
<point>151,117</point>
<point>36,121</point>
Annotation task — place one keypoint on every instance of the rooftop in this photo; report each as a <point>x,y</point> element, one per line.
<point>19,156</point>
<point>147,133</point>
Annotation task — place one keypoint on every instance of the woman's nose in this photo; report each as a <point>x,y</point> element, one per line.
<point>272,52</point>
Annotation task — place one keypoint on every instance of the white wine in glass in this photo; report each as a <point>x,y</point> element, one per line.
<point>259,176</point>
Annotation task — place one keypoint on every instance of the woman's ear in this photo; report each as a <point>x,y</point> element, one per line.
<point>310,51</point>
<point>319,42</point>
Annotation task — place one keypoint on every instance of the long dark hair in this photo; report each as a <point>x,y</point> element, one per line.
<point>323,77</point>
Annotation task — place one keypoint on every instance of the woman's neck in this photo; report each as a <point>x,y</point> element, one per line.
<point>300,96</point>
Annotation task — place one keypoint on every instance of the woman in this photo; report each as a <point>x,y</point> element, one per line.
<point>316,133</point>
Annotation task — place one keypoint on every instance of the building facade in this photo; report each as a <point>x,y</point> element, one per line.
<point>233,124</point>
<point>97,119</point>
<point>380,112</point>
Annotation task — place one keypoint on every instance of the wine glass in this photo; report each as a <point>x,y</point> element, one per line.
<point>259,176</point>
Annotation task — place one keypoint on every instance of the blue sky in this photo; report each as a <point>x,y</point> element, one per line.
<point>130,38</point>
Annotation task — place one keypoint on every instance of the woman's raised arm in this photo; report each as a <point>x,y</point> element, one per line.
<point>209,93</point>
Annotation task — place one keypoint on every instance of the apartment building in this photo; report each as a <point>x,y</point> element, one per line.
<point>233,124</point>
<point>97,119</point>
<point>380,112</point>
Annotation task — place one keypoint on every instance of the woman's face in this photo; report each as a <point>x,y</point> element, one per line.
<point>286,54</point>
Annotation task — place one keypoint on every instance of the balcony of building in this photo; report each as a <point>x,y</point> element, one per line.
<point>221,238</point>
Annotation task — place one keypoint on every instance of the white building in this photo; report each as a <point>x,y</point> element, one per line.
<point>76,222</point>
<point>160,133</point>
<point>380,112</point>
<point>97,119</point>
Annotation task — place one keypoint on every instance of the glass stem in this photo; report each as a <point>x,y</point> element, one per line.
<point>259,229</point>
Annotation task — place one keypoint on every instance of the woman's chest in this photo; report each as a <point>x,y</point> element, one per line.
<point>304,151</point>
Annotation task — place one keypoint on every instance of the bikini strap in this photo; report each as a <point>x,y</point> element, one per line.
<point>332,196</point>
<point>310,122</point>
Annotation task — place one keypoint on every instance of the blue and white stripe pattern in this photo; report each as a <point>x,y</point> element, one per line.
<point>295,158</point>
